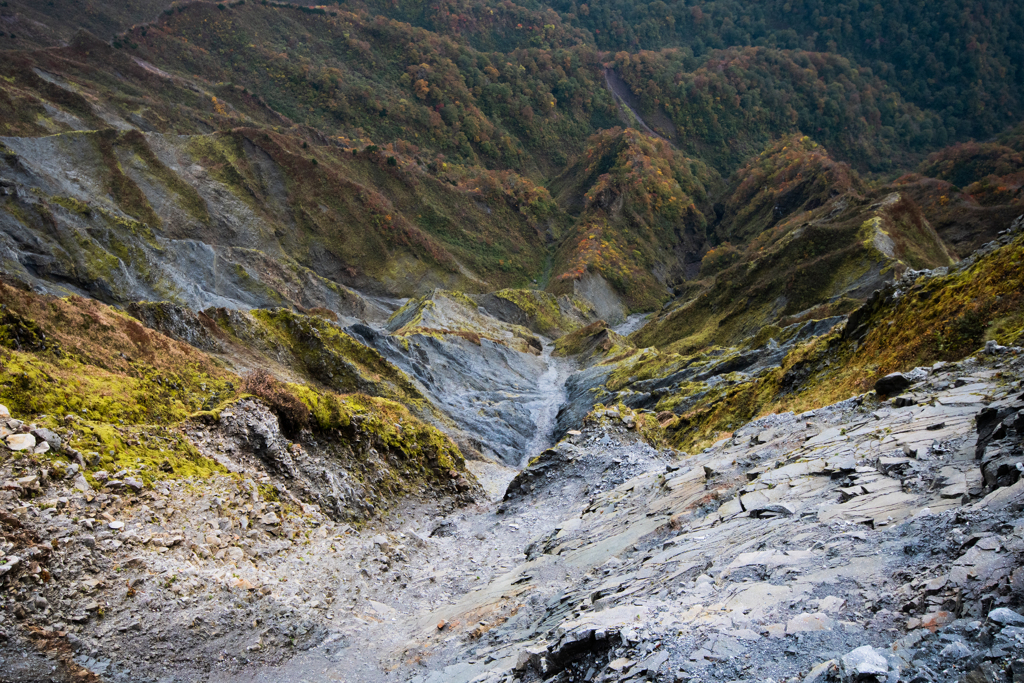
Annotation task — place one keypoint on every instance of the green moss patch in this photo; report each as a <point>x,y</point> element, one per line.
<point>938,319</point>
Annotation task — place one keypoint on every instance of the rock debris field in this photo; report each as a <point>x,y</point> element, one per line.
<point>877,539</point>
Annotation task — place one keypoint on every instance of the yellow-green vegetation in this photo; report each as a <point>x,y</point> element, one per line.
<point>114,389</point>
<point>544,313</point>
<point>141,448</point>
<point>648,363</point>
<point>321,352</point>
<point>73,205</point>
<point>810,265</point>
<point>595,339</point>
<point>389,422</point>
<point>443,313</point>
<point>462,298</point>
<point>939,319</point>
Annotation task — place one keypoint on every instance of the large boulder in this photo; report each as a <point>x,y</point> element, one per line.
<point>892,384</point>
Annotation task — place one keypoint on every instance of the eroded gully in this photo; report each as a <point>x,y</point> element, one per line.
<point>389,593</point>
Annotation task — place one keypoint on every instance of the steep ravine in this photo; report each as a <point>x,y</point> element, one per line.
<point>550,397</point>
<point>500,401</point>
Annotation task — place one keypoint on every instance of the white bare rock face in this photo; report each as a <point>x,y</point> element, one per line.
<point>865,661</point>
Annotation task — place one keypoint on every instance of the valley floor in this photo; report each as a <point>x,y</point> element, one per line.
<point>865,538</point>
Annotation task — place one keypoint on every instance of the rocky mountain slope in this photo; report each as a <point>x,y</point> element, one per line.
<point>878,532</point>
<point>384,342</point>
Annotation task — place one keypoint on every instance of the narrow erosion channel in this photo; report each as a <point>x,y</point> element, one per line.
<point>550,398</point>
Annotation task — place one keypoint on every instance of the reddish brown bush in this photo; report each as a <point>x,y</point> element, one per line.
<point>292,412</point>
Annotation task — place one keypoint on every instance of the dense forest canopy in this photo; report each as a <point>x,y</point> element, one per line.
<point>962,60</point>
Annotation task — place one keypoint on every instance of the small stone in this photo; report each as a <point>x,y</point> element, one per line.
<point>10,562</point>
<point>831,604</point>
<point>820,672</point>
<point>1006,616</point>
<point>101,476</point>
<point>270,519</point>
<point>244,584</point>
<point>993,348</point>
<point>956,650</point>
<point>4,412</point>
<point>441,624</point>
<point>772,510</point>
<point>28,482</point>
<point>933,620</point>
<point>865,661</point>
<point>133,484</point>
<point>116,525</point>
<point>21,442</point>
<point>809,622</point>
<point>619,664</point>
<point>81,484</point>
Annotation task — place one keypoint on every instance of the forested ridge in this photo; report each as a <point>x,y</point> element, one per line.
<point>498,144</point>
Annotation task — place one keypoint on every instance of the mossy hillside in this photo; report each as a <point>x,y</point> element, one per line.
<point>546,314</point>
<point>94,246</point>
<point>26,94</point>
<point>595,340</point>
<point>389,422</point>
<point>352,203</point>
<point>791,176</point>
<point>325,354</point>
<point>442,313</point>
<point>938,319</point>
<point>119,393</point>
<point>818,263</point>
<point>642,210</point>
<point>122,189</point>
<point>132,145</point>
<point>379,442</point>
<point>112,388</point>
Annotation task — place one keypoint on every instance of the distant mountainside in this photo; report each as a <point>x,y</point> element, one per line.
<point>264,153</point>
